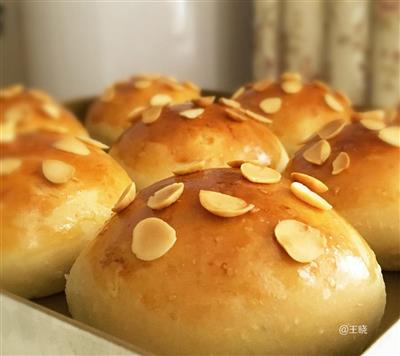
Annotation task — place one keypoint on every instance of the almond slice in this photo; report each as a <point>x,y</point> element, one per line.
<point>333,103</point>
<point>302,242</point>
<point>257,117</point>
<point>7,131</point>
<point>192,113</point>
<point>223,205</point>
<point>204,101</point>
<point>390,135</point>
<point>306,195</point>
<point>190,85</point>
<point>152,238</point>
<point>373,115</point>
<point>51,110</point>
<point>318,153</point>
<point>331,129</point>
<point>135,112</point>
<point>151,114</point>
<point>166,196</point>
<point>56,171</point>
<point>311,182</point>
<point>343,97</point>
<point>271,105</point>
<point>235,115</point>
<point>292,76</point>
<point>230,103</point>
<point>238,162</point>
<point>321,85</point>
<point>11,91</point>
<point>238,93</point>
<point>15,113</point>
<point>291,86</point>
<point>126,198</point>
<point>108,94</point>
<point>187,168</point>
<point>9,165</point>
<point>373,124</point>
<point>261,85</point>
<point>93,142</point>
<point>340,163</point>
<point>160,100</point>
<point>142,84</point>
<point>71,145</point>
<point>259,174</point>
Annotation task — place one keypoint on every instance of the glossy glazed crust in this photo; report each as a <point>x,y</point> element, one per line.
<point>33,117</point>
<point>367,194</point>
<point>227,286</point>
<point>45,225</point>
<point>301,114</point>
<point>151,152</point>
<point>106,120</point>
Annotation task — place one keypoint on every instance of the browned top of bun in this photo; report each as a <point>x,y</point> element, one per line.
<point>301,114</point>
<point>30,110</point>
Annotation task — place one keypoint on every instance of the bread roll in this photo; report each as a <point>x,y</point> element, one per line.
<point>24,110</point>
<point>212,137</point>
<point>362,173</point>
<point>179,278</point>
<point>122,103</point>
<point>56,192</point>
<point>297,109</point>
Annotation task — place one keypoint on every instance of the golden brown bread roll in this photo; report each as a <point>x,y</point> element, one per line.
<point>361,169</point>
<point>179,279</point>
<point>297,109</point>
<point>195,132</point>
<point>56,192</point>
<point>122,103</point>
<point>24,110</point>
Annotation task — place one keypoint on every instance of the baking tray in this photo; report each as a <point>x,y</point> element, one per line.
<point>44,326</point>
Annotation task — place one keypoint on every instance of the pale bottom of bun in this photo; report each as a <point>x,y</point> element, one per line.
<point>103,132</point>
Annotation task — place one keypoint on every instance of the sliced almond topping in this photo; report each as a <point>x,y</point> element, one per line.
<point>151,114</point>
<point>11,91</point>
<point>108,94</point>
<point>187,168</point>
<point>343,96</point>
<point>333,103</point>
<point>258,117</point>
<point>40,95</point>
<point>166,196</point>
<point>390,135</point>
<point>372,120</point>
<point>152,238</point>
<point>229,103</point>
<point>204,101</point>
<point>192,113</point>
<point>191,85</point>
<point>7,131</point>
<point>235,115</point>
<point>311,182</point>
<point>291,86</point>
<point>15,113</point>
<point>238,93</point>
<point>291,76</point>
<point>173,85</point>
<point>318,153</point>
<point>51,110</point>
<point>223,205</point>
<point>160,100</point>
<point>142,84</point>
<point>260,174</point>
<point>321,85</point>
<point>9,165</point>
<point>271,105</point>
<point>331,129</point>
<point>341,162</point>
<point>127,197</point>
<point>302,242</point>
<point>306,195</point>
<point>373,124</point>
<point>57,172</point>
<point>136,112</point>
<point>262,84</point>
<point>93,142</point>
<point>238,162</point>
<point>71,145</point>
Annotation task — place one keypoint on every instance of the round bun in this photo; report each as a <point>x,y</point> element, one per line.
<point>122,103</point>
<point>24,111</point>
<point>298,110</point>
<point>225,285</point>
<point>367,192</point>
<point>151,152</point>
<point>52,202</point>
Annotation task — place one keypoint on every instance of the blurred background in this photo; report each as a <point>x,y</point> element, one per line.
<point>76,48</point>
